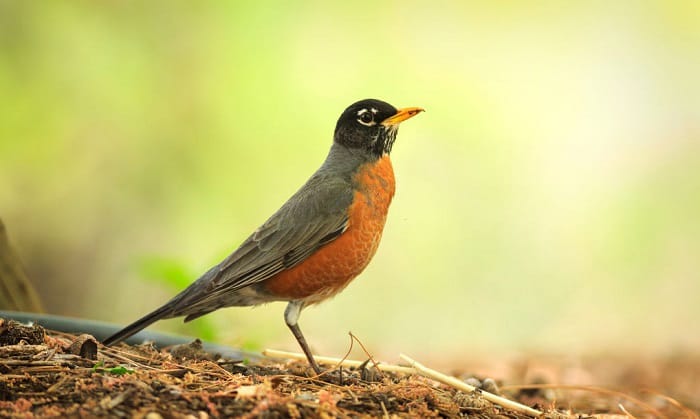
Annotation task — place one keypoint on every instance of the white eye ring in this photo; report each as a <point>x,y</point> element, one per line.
<point>366,118</point>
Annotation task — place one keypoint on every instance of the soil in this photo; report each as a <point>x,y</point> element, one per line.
<point>52,374</point>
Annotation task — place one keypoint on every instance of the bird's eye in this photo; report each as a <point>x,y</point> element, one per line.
<point>366,118</point>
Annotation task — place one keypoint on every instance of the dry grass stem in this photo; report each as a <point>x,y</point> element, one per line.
<point>326,360</point>
<point>461,385</point>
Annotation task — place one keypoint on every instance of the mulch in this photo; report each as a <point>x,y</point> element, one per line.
<point>52,374</point>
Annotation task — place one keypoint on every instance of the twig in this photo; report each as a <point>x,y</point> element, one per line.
<point>272,353</point>
<point>339,364</point>
<point>460,385</point>
<point>369,356</point>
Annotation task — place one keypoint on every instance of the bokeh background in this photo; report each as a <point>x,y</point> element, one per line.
<point>548,200</point>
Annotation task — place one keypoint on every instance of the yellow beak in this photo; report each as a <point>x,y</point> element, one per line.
<point>402,115</point>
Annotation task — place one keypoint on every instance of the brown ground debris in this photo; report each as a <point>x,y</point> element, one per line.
<point>51,374</point>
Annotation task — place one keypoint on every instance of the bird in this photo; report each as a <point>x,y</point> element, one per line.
<point>317,242</point>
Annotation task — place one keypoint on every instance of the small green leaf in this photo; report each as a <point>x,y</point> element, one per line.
<point>120,370</point>
<point>98,367</point>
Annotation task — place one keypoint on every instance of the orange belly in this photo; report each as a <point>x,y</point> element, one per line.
<point>333,266</point>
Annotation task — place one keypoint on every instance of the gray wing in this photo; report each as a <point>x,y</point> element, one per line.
<point>312,217</point>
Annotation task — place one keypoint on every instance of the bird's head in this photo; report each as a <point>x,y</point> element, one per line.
<point>371,125</point>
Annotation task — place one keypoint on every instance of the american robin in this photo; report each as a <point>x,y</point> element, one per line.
<point>318,241</point>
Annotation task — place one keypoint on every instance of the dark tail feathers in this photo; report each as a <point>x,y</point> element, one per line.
<point>172,308</point>
<point>140,324</point>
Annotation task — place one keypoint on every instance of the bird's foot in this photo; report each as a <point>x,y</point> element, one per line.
<point>369,373</point>
<point>334,375</point>
<point>339,376</point>
<point>344,376</point>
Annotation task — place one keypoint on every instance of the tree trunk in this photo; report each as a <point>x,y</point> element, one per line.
<point>16,292</point>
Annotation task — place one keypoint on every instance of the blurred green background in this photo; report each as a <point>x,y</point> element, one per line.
<point>549,198</point>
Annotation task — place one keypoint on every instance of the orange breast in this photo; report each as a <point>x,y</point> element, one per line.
<point>333,266</point>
